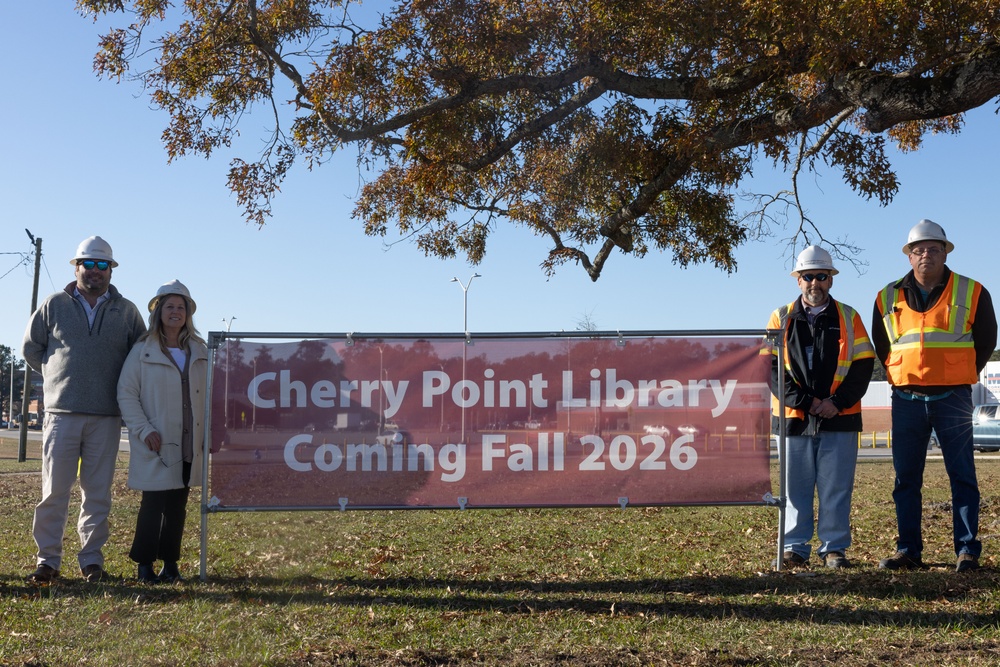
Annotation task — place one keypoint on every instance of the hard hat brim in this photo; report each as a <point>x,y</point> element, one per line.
<point>100,258</point>
<point>948,245</point>
<point>831,271</point>
<point>156,299</point>
<point>173,288</point>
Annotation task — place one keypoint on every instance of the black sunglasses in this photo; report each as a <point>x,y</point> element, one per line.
<point>91,263</point>
<point>809,277</point>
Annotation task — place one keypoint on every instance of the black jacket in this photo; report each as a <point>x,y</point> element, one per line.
<point>805,382</point>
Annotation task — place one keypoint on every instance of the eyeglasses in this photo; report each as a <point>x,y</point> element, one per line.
<point>91,263</point>
<point>159,454</point>
<point>929,251</point>
<point>809,277</point>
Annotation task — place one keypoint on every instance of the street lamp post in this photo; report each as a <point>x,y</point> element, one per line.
<point>10,402</point>
<point>441,427</point>
<point>229,326</point>
<point>465,326</point>
<point>465,290</point>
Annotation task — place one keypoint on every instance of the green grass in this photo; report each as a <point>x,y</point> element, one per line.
<point>643,586</point>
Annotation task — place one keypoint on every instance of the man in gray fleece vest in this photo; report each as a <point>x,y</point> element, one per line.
<point>78,340</point>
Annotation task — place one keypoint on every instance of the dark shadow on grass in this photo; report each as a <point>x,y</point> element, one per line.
<point>856,598</point>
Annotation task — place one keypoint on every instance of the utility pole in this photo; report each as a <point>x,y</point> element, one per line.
<point>22,446</point>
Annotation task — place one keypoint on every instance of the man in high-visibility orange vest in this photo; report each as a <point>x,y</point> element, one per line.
<point>934,331</point>
<point>828,361</point>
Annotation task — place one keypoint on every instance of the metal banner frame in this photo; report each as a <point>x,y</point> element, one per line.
<point>767,340</point>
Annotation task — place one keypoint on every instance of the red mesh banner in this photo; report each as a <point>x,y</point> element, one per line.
<point>519,422</point>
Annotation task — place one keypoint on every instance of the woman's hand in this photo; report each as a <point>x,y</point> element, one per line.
<point>153,442</point>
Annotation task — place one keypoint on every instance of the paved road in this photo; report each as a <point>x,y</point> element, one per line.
<point>37,435</point>
<point>886,453</point>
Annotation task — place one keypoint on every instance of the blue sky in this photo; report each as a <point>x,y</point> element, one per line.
<point>82,156</point>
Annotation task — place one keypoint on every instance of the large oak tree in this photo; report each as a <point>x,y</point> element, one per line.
<point>601,125</point>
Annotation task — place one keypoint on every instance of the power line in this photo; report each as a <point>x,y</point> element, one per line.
<point>47,274</point>
<point>25,260</point>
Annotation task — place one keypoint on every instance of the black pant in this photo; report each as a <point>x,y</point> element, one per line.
<point>160,524</point>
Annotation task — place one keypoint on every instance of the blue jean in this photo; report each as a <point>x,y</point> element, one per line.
<point>912,421</point>
<point>820,465</point>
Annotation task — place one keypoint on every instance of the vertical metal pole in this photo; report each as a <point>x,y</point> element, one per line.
<point>782,451</point>
<point>207,450</point>
<point>22,445</point>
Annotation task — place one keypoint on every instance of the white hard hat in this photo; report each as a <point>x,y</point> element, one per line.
<point>171,288</point>
<point>814,258</point>
<point>94,247</point>
<point>927,230</point>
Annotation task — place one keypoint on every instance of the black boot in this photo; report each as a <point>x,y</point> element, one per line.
<point>170,574</point>
<point>145,574</point>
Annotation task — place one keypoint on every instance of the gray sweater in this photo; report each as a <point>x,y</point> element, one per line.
<point>79,364</point>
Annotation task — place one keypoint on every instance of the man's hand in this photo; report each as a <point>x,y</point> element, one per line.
<point>824,409</point>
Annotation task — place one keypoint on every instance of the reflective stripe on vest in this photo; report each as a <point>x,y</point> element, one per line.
<point>935,347</point>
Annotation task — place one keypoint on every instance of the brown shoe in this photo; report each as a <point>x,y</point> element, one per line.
<point>45,574</point>
<point>966,563</point>
<point>836,560</point>
<point>95,573</point>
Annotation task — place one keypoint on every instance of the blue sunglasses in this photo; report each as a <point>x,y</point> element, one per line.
<point>91,263</point>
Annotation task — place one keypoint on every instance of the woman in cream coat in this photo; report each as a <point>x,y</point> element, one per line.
<point>161,393</point>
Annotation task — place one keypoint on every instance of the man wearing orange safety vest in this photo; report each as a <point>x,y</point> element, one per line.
<point>828,361</point>
<point>934,331</point>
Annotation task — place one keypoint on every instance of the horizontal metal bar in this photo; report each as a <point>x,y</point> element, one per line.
<point>337,508</point>
<point>217,336</point>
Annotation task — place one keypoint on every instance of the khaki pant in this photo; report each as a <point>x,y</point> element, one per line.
<point>70,442</point>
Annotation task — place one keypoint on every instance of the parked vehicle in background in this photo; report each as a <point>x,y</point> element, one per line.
<point>394,438</point>
<point>986,428</point>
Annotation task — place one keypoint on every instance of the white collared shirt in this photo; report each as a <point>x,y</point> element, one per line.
<point>91,311</point>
